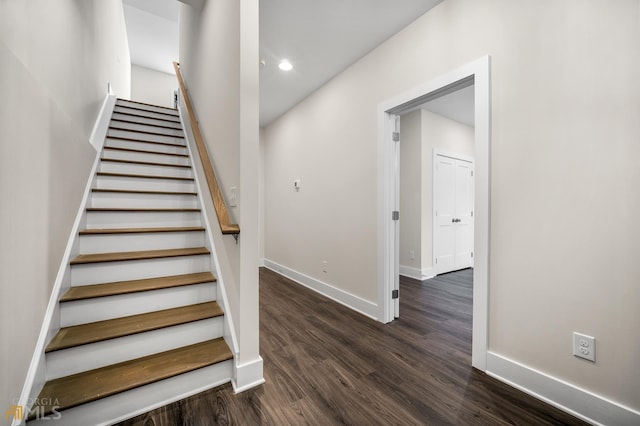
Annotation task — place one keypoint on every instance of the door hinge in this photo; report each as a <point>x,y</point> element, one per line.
<point>395,215</point>
<point>395,136</point>
<point>471,172</point>
<point>472,255</point>
<point>394,294</point>
<point>472,213</point>
<point>436,260</point>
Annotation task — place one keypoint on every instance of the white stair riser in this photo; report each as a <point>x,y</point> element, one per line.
<point>104,220</point>
<point>146,127</point>
<point>149,114</point>
<point>144,184</point>
<point>124,199</point>
<point>100,354</point>
<point>146,146</point>
<point>111,243</point>
<point>98,273</point>
<point>145,107</point>
<point>142,156</point>
<point>125,405</point>
<point>145,136</point>
<point>146,120</point>
<point>104,308</point>
<point>145,169</point>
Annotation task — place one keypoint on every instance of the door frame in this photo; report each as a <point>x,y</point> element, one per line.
<point>435,153</point>
<point>477,73</point>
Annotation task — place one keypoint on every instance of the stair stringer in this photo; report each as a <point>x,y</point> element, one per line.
<point>37,374</point>
<point>219,261</point>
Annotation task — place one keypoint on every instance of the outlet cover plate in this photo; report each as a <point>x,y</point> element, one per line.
<point>584,346</point>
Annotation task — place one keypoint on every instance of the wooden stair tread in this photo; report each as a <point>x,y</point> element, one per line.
<point>146,132</point>
<point>139,209</point>
<point>145,151</point>
<point>146,110</point>
<point>145,163</point>
<point>137,191</point>
<point>122,138</point>
<point>77,335</point>
<point>134,175</point>
<point>137,255</point>
<point>145,103</point>
<point>109,231</point>
<point>71,391</point>
<point>167,119</point>
<point>121,120</point>
<point>135,286</point>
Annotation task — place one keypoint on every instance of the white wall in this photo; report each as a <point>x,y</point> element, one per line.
<point>57,58</point>
<point>564,175</point>
<point>218,60</point>
<point>152,87</point>
<point>411,194</point>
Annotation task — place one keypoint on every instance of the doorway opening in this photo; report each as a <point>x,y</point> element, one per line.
<point>476,76</point>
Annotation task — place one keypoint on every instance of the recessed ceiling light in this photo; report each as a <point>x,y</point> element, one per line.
<point>285,65</point>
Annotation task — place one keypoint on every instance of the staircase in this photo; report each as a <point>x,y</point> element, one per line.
<point>139,325</point>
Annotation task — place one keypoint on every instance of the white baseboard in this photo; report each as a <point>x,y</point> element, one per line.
<point>417,274</point>
<point>261,262</point>
<point>101,124</point>
<point>579,402</point>
<point>248,375</point>
<point>349,300</point>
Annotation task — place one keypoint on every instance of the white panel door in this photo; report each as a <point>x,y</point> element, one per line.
<point>453,214</point>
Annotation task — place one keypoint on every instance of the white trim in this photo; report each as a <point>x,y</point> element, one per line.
<point>576,401</point>
<point>417,274</point>
<point>478,72</point>
<point>101,126</point>
<point>248,375</point>
<point>261,262</point>
<point>349,300</point>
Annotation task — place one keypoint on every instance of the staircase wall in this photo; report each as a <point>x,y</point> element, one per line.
<point>218,51</point>
<point>57,58</point>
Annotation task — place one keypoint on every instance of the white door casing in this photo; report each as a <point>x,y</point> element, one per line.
<point>478,74</point>
<point>452,213</point>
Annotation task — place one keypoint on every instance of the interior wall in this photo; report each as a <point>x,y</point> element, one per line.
<point>564,134</point>
<point>411,193</point>
<point>152,87</point>
<point>218,51</point>
<point>447,136</point>
<point>57,58</point>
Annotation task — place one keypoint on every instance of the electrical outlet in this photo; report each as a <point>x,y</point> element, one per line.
<point>412,254</point>
<point>325,266</point>
<point>584,346</point>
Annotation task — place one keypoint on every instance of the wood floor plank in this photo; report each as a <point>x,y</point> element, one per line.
<point>71,391</point>
<point>326,364</point>
<point>135,286</point>
<point>137,255</point>
<point>162,126</point>
<point>77,335</point>
<point>147,141</point>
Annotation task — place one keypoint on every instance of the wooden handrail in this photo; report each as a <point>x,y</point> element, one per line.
<point>218,202</point>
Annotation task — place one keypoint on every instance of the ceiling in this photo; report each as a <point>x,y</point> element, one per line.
<point>458,105</point>
<point>320,39</point>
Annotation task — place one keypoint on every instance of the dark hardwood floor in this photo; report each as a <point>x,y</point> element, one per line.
<point>327,365</point>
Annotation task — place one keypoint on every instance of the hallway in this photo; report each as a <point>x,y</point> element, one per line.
<point>325,364</point>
